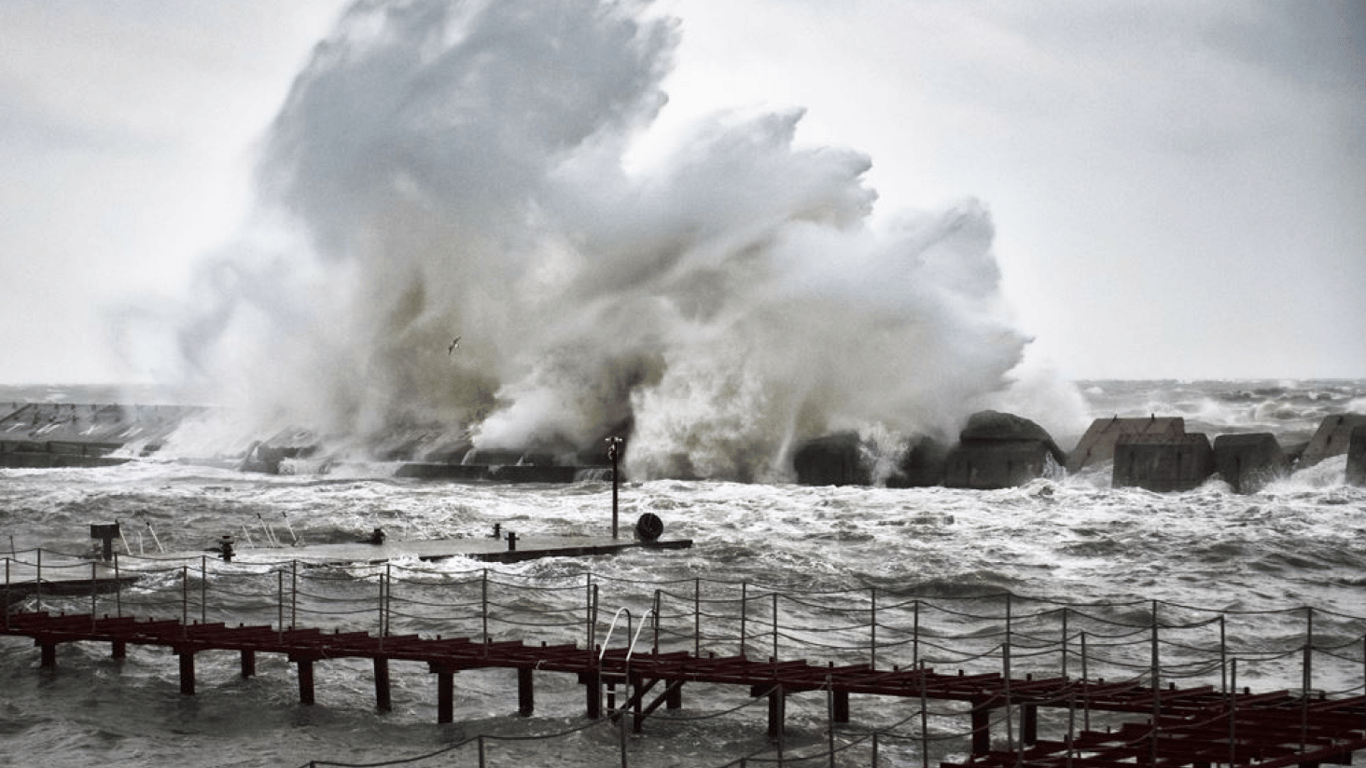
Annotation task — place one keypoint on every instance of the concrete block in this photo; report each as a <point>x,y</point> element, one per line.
<point>1000,450</point>
<point>1098,444</point>
<point>1163,464</point>
<point>923,466</point>
<point>1332,438</point>
<point>832,460</point>
<point>1248,462</point>
<point>1356,457</point>
<point>986,465</point>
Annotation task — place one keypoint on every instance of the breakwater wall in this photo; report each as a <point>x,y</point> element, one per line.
<point>993,450</point>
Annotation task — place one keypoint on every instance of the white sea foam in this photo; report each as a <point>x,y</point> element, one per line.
<point>446,170</point>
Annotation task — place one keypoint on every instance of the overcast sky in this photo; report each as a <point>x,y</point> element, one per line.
<point>1178,188</point>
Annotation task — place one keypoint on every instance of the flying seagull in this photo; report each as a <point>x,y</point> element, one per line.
<point>454,344</point>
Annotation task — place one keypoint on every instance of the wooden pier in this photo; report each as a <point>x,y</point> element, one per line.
<point>638,673</point>
<point>1195,727</point>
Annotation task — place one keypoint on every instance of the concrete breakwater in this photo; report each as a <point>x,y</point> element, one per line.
<point>993,450</point>
<point>1000,450</point>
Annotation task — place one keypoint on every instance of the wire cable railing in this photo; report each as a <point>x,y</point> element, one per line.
<point>1311,651</point>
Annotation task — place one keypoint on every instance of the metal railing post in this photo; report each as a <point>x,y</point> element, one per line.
<point>1064,642</point>
<point>872,628</point>
<point>203,589</point>
<point>775,626</point>
<point>744,599</point>
<point>697,617</point>
<point>484,602</point>
<point>293,593</point>
<point>280,602</point>
<point>184,597</point>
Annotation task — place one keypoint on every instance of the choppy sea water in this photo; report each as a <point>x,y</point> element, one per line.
<point>1299,543</point>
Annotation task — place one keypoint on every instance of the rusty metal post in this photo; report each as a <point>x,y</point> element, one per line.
<point>293,594</point>
<point>92,594</point>
<point>915,633</point>
<point>280,603</point>
<point>872,628</point>
<point>1307,677</point>
<point>203,589</point>
<point>924,719</point>
<point>775,626</point>
<point>832,717</point>
<point>1223,655</point>
<point>614,454</point>
<point>659,600</point>
<point>744,599</point>
<point>484,604</point>
<point>1233,714</point>
<point>1064,642</point>
<point>184,598</point>
<point>118,587</point>
<point>697,617</point>
<point>1005,669</point>
<point>1085,679</point>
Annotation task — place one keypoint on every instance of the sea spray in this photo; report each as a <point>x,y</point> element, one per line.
<point>460,169</point>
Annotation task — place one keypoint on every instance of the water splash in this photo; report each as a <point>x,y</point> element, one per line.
<point>445,169</point>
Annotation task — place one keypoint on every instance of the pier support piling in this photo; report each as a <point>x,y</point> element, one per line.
<point>248,663</point>
<point>186,672</point>
<point>1029,724</point>
<point>841,706</point>
<point>592,687</point>
<point>777,711</point>
<point>49,655</point>
<point>526,692</point>
<point>119,650</point>
<point>445,696</point>
<point>383,702</point>
<point>981,728</point>
<point>305,680</point>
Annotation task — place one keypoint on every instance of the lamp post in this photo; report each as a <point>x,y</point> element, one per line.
<point>614,455</point>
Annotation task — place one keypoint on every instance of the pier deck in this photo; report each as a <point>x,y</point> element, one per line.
<point>1195,727</point>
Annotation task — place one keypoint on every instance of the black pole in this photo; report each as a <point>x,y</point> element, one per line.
<point>614,453</point>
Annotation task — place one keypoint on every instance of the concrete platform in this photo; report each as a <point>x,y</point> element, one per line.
<point>494,550</point>
<point>60,575</point>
